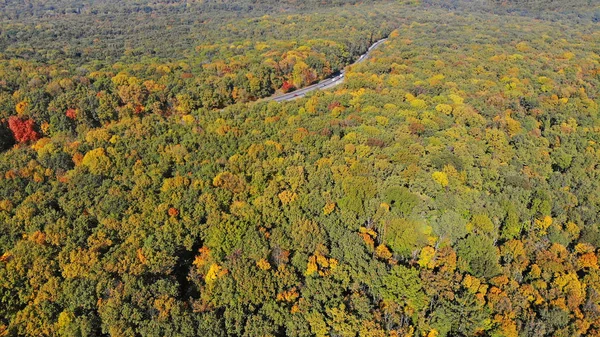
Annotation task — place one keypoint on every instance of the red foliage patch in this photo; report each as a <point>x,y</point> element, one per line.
<point>287,87</point>
<point>326,132</point>
<point>23,130</point>
<point>375,142</point>
<point>139,109</point>
<point>71,113</point>
<point>333,105</point>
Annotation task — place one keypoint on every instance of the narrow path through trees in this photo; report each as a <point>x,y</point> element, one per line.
<point>326,83</point>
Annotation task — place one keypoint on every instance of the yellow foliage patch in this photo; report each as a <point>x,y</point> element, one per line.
<point>6,205</point>
<point>440,178</point>
<point>418,103</point>
<point>320,264</point>
<point>95,135</point>
<point>444,108</point>
<point>188,119</point>
<point>543,224</point>
<point>456,99</point>
<point>21,107</point>
<point>433,333</point>
<point>287,197</point>
<point>212,274</point>
<point>382,120</point>
<point>383,252</point>
<point>426,257</point>
<point>263,264</point>
<point>96,161</point>
<point>329,208</point>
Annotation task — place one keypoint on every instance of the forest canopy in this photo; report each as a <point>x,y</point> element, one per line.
<point>448,187</point>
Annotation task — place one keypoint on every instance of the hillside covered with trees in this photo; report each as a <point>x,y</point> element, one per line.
<point>449,187</point>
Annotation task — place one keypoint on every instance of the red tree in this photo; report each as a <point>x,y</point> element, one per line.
<point>71,113</point>
<point>23,130</point>
<point>287,87</point>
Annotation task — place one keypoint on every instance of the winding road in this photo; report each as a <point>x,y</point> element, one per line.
<point>326,83</point>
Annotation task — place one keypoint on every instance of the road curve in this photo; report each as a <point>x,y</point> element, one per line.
<point>326,83</point>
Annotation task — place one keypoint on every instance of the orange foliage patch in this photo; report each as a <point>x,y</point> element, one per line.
<point>173,212</point>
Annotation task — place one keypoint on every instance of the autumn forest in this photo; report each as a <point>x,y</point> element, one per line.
<point>150,186</point>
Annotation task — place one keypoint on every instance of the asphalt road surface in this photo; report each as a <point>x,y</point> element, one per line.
<point>326,83</point>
